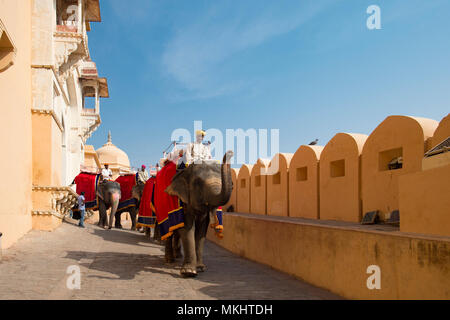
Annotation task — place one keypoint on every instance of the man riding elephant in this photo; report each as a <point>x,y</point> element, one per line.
<point>186,197</point>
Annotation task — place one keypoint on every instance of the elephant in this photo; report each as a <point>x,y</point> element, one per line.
<point>137,191</point>
<point>108,197</point>
<point>202,188</point>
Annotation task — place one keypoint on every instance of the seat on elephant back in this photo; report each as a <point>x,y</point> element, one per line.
<point>87,183</point>
<point>127,182</point>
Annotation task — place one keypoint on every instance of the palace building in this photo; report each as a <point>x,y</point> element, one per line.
<point>50,92</point>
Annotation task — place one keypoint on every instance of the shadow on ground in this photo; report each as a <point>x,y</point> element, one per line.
<point>228,276</point>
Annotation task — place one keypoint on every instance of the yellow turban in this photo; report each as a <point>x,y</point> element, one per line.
<point>200,132</point>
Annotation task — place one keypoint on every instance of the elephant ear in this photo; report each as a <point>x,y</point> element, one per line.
<point>179,187</point>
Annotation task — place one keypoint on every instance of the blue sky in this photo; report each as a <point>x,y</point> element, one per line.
<point>308,68</point>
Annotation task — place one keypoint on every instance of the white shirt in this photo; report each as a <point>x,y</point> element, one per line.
<point>106,174</point>
<point>143,175</point>
<point>197,152</point>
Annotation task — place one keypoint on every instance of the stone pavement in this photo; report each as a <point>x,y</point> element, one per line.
<point>122,264</point>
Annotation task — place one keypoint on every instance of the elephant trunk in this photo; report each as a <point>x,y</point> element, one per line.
<point>227,183</point>
<point>115,198</point>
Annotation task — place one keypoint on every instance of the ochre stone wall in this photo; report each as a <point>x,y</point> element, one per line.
<point>340,178</point>
<point>47,167</point>
<point>396,136</point>
<point>278,184</point>
<point>424,201</point>
<point>259,187</point>
<point>336,257</point>
<point>243,188</point>
<point>304,182</point>
<point>15,125</point>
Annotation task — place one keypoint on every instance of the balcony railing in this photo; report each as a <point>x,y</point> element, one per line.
<point>89,111</point>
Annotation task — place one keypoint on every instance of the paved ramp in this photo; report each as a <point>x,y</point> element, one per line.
<point>122,264</point>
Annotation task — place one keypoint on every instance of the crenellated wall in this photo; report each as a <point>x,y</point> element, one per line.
<point>258,189</point>
<point>352,175</point>
<point>397,137</point>
<point>243,188</point>
<point>442,132</point>
<point>306,215</point>
<point>278,184</point>
<point>304,182</point>
<point>340,178</point>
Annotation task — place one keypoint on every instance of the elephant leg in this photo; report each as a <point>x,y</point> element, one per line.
<point>147,232</point>
<point>133,214</point>
<point>102,214</point>
<point>157,234</point>
<point>187,235</point>
<point>111,219</point>
<point>169,250</point>
<point>118,223</point>
<point>176,243</point>
<point>200,236</point>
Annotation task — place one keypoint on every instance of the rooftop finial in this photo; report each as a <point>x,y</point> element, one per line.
<point>109,137</point>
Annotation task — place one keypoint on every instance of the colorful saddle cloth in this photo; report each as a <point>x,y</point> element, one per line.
<point>147,215</point>
<point>87,183</point>
<point>169,211</point>
<point>127,182</point>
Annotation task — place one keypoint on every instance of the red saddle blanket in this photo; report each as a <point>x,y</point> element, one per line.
<point>169,211</point>
<point>87,183</point>
<point>147,216</point>
<point>126,186</point>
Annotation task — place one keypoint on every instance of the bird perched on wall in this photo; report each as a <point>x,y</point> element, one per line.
<point>314,142</point>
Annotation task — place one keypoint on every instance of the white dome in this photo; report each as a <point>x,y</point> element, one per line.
<point>113,156</point>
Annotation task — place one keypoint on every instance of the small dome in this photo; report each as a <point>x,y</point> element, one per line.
<point>113,156</point>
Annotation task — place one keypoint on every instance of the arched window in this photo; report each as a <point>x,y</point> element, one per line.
<point>7,49</point>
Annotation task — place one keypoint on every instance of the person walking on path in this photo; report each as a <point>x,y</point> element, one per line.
<point>82,208</point>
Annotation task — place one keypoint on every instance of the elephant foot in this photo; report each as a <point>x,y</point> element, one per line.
<point>107,227</point>
<point>133,229</point>
<point>201,267</point>
<point>188,272</point>
<point>119,226</point>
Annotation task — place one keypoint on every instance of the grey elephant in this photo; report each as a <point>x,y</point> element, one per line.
<point>108,197</point>
<point>137,191</point>
<point>202,188</point>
